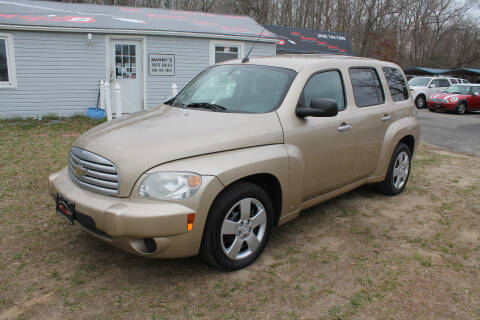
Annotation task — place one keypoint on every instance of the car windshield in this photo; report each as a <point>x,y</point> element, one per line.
<point>459,89</point>
<point>236,88</point>
<point>419,82</point>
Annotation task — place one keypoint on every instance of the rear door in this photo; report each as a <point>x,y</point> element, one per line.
<point>371,120</point>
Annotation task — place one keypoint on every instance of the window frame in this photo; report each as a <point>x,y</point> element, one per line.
<point>11,69</point>
<point>322,71</point>
<point>219,43</point>
<point>379,81</point>
<point>388,85</point>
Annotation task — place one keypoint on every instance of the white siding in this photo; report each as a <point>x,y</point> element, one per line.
<point>57,73</point>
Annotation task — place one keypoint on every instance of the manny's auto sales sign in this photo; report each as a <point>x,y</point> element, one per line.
<point>161,64</point>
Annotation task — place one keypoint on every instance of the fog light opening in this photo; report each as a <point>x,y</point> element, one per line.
<point>150,245</point>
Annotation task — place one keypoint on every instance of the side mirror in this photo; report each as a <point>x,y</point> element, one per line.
<point>320,107</point>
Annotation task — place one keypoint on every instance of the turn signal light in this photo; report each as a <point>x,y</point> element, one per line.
<point>190,220</point>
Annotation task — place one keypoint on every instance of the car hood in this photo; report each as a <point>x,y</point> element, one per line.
<point>446,96</point>
<point>141,141</point>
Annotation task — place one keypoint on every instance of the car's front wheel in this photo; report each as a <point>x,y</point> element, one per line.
<point>420,101</point>
<point>238,227</point>
<point>398,171</point>
<point>462,108</point>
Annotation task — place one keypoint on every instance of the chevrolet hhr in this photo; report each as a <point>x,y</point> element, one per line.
<point>243,148</point>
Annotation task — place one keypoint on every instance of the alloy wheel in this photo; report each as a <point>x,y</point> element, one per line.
<point>400,169</point>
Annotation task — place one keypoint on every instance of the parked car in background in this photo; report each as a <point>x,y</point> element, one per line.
<point>459,98</point>
<point>421,88</point>
<point>244,147</point>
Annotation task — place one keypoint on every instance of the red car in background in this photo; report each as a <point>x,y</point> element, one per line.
<point>459,98</point>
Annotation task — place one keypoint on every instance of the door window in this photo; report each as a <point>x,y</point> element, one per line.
<point>125,61</point>
<point>453,80</point>
<point>396,84</point>
<point>444,83</point>
<point>367,89</point>
<point>435,83</point>
<point>327,84</point>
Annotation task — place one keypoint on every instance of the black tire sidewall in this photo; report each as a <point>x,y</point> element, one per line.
<point>392,190</point>
<point>211,244</point>
<point>458,108</point>
<point>424,101</point>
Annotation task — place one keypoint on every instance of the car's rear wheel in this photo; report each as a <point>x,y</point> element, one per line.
<point>461,108</point>
<point>398,171</point>
<point>238,227</point>
<point>420,101</point>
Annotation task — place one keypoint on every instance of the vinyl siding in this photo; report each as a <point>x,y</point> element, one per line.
<point>57,73</point>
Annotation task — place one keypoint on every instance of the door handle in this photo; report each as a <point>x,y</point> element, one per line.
<point>386,117</point>
<point>344,127</point>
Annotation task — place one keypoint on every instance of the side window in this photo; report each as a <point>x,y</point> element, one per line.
<point>396,84</point>
<point>444,83</point>
<point>476,90</point>
<point>366,87</point>
<point>435,82</point>
<point>327,84</point>
<point>7,65</point>
<point>453,80</point>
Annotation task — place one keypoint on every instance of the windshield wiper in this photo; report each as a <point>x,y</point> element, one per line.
<point>206,105</point>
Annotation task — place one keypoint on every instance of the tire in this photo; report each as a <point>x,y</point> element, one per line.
<point>398,171</point>
<point>234,236</point>
<point>461,108</point>
<point>420,101</point>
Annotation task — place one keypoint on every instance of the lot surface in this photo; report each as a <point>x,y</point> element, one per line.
<point>359,256</point>
<point>452,131</point>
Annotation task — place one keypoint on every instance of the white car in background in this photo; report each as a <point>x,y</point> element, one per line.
<point>421,88</point>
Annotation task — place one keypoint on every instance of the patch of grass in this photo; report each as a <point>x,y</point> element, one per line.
<point>424,261</point>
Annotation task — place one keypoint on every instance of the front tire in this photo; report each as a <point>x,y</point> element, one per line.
<point>398,171</point>
<point>461,108</point>
<point>238,227</point>
<point>420,101</point>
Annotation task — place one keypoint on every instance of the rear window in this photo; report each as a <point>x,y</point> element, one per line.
<point>367,89</point>
<point>396,84</point>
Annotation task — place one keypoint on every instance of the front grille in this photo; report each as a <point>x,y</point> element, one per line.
<point>93,172</point>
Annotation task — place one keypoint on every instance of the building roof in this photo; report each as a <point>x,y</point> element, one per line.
<point>59,16</point>
<point>424,71</point>
<point>465,71</point>
<point>296,40</point>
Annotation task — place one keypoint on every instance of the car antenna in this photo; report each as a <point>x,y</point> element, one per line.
<point>245,59</point>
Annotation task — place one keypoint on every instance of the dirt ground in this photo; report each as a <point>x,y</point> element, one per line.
<point>359,256</point>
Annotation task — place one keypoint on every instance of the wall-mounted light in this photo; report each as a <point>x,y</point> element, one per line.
<point>89,40</point>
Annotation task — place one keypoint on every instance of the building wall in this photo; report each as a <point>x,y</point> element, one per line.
<point>58,73</point>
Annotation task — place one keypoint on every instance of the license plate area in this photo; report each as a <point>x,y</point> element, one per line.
<point>65,208</point>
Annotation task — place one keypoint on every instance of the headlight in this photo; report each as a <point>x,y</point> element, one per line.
<point>170,185</point>
<point>453,99</point>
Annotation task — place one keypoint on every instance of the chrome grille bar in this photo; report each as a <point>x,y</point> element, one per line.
<point>93,172</point>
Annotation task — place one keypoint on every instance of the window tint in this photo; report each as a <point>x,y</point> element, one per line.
<point>327,85</point>
<point>224,53</point>
<point>436,83</point>
<point>366,87</point>
<point>453,80</point>
<point>444,83</point>
<point>396,84</point>
<point>3,61</point>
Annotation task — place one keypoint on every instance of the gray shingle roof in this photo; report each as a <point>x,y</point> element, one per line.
<point>77,17</point>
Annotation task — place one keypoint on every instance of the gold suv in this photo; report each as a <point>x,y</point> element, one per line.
<point>244,147</point>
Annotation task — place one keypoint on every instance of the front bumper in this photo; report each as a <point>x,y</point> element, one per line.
<point>126,222</point>
<point>441,106</point>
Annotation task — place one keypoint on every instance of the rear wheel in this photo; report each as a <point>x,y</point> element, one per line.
<point>461,108</point>
<point>398,171</point>
<point>420,101</point>
<point>238,227</point>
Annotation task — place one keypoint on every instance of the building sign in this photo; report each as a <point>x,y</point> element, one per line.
<point>161,64</point>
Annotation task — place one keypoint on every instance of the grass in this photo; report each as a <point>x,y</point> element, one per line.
<point>360,255</point>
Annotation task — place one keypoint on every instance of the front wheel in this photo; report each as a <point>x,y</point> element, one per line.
<point>420,101</point>
<point>462,108</point>
<point>238,227</point>
<point>398,171</point>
